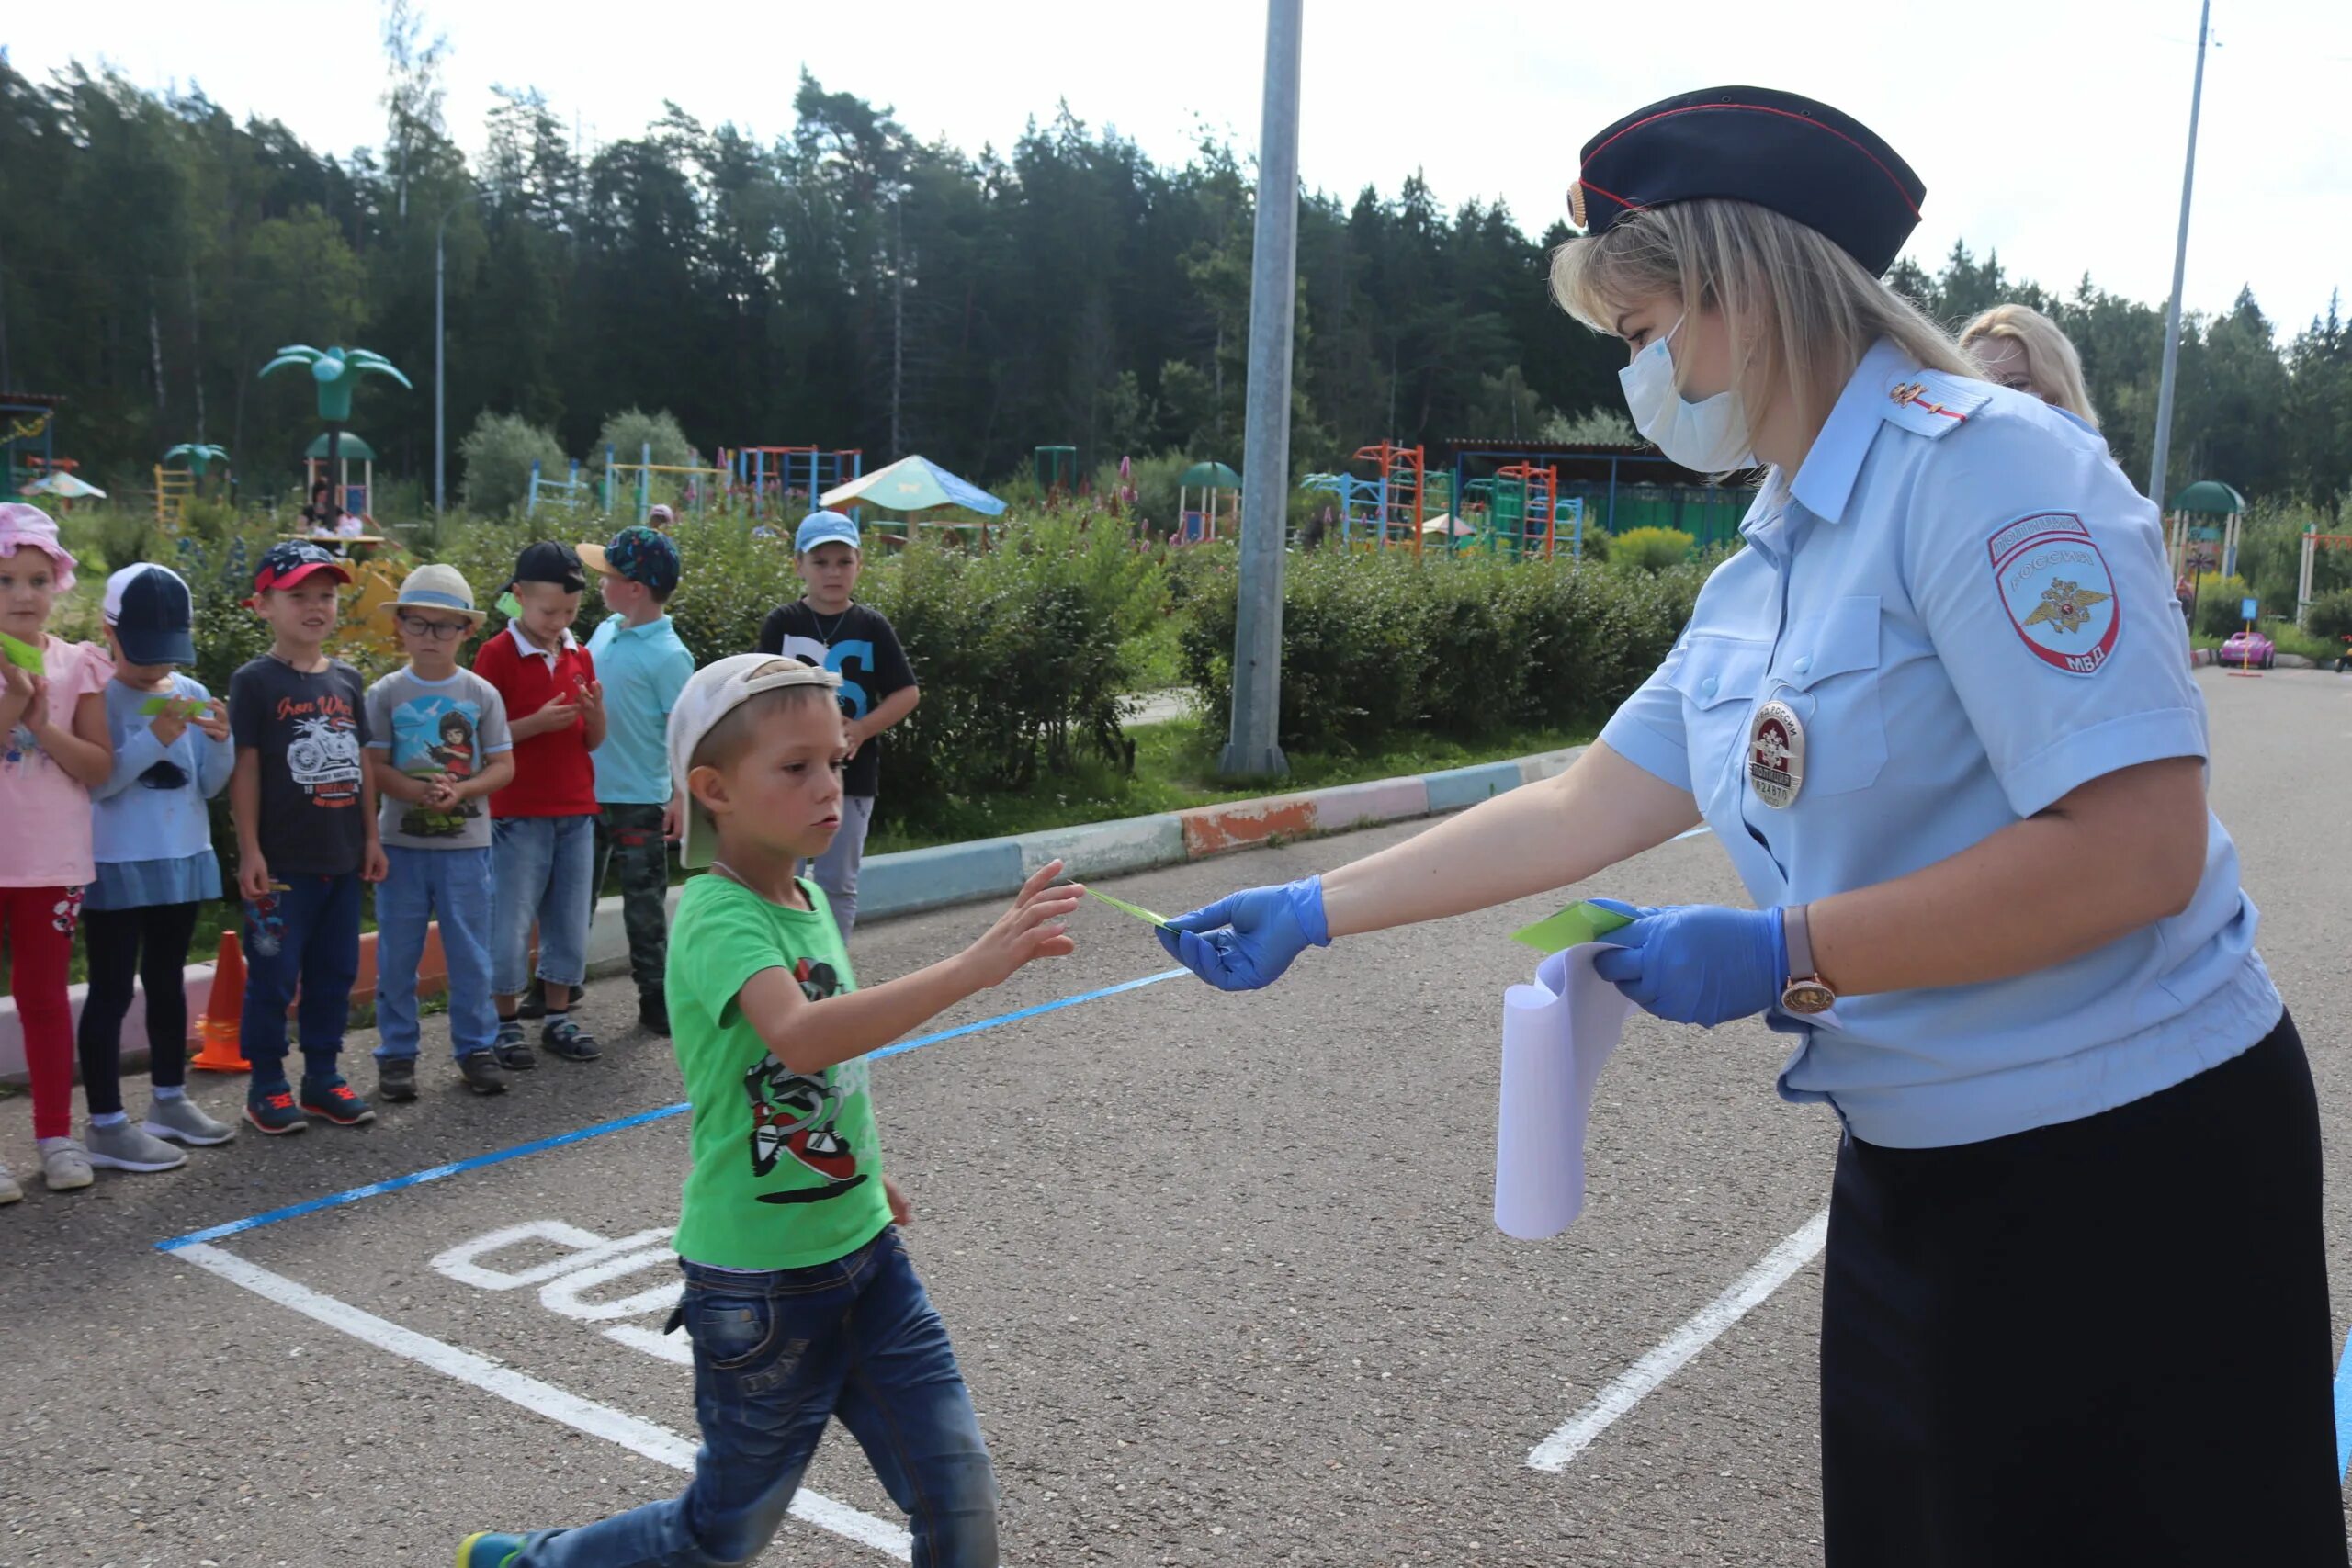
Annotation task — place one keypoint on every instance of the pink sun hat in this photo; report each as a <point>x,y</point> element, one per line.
<point>29,527</point>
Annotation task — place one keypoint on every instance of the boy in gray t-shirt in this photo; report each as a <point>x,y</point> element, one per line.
<point>437,746</point>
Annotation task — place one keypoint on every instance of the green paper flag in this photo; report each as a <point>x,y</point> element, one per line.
<point>509,606</point>
<point>1126,908</point>
<point>1580,923</point>
<point>187,707</point>
<point>23,655</point>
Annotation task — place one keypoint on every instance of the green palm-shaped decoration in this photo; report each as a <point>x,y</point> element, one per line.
<point>199,455</point>
<point>337,371</point>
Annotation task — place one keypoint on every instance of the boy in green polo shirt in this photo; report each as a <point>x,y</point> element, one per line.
<point>644,667</point>
<point>800,1300</point>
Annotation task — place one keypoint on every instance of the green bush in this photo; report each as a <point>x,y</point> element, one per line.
<point>498,452</point>
<point>626,434</point>
<point>1023,653</point>
<point>1376,645</point>
<point>1651,550</point>
<point>2219,602</point>
<point>2329,619</point>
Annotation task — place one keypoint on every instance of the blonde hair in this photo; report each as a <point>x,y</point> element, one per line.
<point>2052,366</point>
<point>1795,306</point>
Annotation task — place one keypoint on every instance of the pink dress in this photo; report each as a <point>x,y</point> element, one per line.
<point>44,812</point>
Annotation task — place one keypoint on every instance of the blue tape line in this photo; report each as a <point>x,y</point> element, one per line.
<point>500,1156</point>
<point>2344,1413</point>
<point>1029,1012</point>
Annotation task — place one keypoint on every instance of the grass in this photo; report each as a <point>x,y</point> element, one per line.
<point>1176,769</point>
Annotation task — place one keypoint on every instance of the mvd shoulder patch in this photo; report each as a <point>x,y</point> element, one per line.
<point>2057,589</point>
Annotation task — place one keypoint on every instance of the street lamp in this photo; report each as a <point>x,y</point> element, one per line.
<point>440,346</point>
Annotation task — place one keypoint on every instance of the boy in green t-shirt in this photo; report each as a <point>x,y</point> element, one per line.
<point>796,1274</point>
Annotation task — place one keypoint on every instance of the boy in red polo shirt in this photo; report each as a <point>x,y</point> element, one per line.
<point>543,826</point>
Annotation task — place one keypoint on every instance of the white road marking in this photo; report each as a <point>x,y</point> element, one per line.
<point>633,1432</point>
<point>1555,1452</point>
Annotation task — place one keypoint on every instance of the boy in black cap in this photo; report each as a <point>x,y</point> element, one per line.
<point>305,811</point>
<point>543,825</point>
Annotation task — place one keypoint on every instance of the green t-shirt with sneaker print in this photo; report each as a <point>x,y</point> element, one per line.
<point>787,1171</point>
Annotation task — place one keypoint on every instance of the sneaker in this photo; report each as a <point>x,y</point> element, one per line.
<point>271,1108</point>
<point>653,1013</point>
<point>336,1100</point>
<point>183,1122</point>
<point>568,1040</point>
<point>534,999</point>
<point>64,1167</point>
<point>481,1072</point>
<point>125,1146</point>
<point>514,1051</point>
<point>9,1192</point>
<point>396,1077</point>
<point>486,1550</point>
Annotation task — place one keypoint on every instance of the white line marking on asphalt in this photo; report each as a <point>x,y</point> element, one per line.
<point>1634,1383</point>
<point>633,1432</point>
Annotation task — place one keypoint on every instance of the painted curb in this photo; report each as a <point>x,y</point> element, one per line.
<point>915,881</point>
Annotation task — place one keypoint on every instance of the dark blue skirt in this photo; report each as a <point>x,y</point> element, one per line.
<point>2101,1342</point>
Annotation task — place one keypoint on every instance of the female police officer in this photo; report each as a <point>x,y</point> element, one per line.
<point>1938,711</point>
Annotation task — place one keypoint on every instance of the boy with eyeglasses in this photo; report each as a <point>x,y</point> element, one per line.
<point>437,746</point>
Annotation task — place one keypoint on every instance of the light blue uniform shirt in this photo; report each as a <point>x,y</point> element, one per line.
<point>1966,603</point>
<point>643,669</point>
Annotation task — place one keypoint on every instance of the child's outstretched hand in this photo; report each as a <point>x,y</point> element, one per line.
<point>1032,929</point>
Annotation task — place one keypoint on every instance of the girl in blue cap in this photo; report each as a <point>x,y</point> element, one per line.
<point>1939,714</point>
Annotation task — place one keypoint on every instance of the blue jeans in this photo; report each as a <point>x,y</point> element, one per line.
<point>544,865</point>
<point>306,937</point>
<point>776,1354</point>
<point>455,885</point>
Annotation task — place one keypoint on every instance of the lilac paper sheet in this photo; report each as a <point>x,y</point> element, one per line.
<point>1557,1035</point>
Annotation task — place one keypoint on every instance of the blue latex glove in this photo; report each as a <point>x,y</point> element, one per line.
<point>1697,963</point>
<point>1246,939</point>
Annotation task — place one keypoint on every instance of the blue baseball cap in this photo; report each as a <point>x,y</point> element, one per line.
<point>153,615</point>
<point>824,528</point>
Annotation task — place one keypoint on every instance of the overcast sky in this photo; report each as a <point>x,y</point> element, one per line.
<point>2051,130</point>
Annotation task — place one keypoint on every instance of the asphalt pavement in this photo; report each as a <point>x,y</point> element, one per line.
<point>1222,1272</point>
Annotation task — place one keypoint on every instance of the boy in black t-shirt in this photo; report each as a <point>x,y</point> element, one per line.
<point>825,627</point>
<point>305,810</point>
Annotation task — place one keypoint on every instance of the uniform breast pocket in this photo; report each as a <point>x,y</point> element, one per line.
<point>1828,672</point>
<point>1720,679</point>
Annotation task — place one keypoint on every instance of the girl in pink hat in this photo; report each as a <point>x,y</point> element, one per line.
<point>54,748</point>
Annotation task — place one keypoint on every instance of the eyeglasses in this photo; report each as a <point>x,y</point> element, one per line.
<point>440,631</point>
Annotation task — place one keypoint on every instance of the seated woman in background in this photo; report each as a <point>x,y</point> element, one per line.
<point>2023,349</point>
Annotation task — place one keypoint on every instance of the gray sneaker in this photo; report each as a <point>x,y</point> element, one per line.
<point>123,1146</point>
<point>63,1165</point>
<point>9,1192</point>
<point>183,1122</point>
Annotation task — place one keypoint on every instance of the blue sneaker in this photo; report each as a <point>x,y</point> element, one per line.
<point>271,1108</point>
<point>335,1100</point>
<point>485,1549</point>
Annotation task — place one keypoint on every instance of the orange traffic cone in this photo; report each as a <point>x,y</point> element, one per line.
<point>216,1032</point>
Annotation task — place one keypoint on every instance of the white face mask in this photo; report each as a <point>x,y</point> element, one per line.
<point>1708,437</point>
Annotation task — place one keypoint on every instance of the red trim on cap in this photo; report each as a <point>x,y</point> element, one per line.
<point>1628,206</point>
<point>289,579</point>
<point>1760,109</point>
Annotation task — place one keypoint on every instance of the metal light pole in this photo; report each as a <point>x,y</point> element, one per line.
<point>2157,488</point>
<point>440,344</point>
<point>1252,747</point>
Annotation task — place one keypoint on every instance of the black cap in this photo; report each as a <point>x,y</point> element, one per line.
<point>1803,160</point>
<point>547,561</point>
<point>152,615</point>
